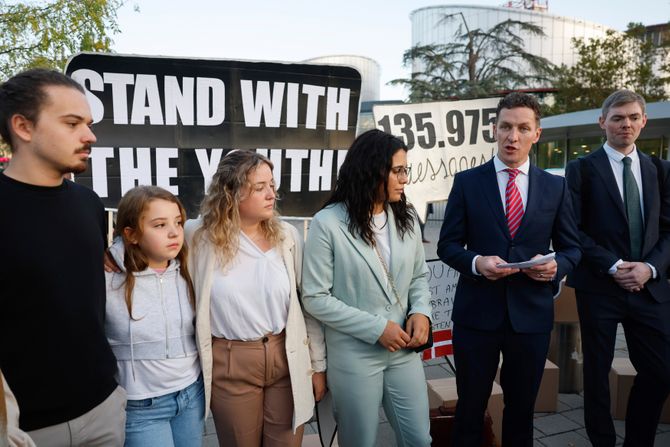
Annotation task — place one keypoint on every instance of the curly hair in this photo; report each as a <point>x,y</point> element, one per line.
<point>220,207</point>
<point>364,172</point>
<point>131,207</point>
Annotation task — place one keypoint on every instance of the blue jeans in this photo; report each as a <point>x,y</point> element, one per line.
<point>172,420</point>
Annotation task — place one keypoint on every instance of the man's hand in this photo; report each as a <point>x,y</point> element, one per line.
<point>486,266</point>
<point>632,276</point>
<point>417,328</point>
<point>110,264</point>
<point>394,337</point>
<point>319,385</point>
<point>544,272</point>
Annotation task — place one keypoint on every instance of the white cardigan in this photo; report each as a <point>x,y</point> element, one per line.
<point>305,346</point>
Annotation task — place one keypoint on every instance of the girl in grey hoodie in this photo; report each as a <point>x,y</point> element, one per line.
<point>150,322</point>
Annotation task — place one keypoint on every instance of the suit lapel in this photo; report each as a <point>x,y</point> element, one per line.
<point>492,193</point>
<point>369,256</point>
<point>603,169</point>
<point>535,194</point>
<point>649,192</point>
<point>286,245</point>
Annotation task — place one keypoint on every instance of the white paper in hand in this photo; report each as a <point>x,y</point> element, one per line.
<point>527,264</point>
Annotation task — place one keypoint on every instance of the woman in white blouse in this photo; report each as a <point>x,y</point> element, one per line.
<point>263,360</point>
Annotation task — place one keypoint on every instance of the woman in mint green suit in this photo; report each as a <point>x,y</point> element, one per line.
<point>364,278</point>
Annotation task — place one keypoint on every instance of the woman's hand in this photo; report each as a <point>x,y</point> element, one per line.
<point>319,385</point>
<point>394,337</point>
<point>417,328</point>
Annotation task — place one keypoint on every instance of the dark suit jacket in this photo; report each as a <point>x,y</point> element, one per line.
<point>475,224</point>
<point>603,225</point>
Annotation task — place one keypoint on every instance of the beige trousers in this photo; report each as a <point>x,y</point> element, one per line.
<point>252,402</point>
<point>104,425</point>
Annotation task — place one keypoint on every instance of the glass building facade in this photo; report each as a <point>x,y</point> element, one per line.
<point>573,135</point>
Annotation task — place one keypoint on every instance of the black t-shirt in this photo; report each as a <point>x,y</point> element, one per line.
<point>53,349</point>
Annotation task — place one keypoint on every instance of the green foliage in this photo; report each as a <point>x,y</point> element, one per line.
<point>616,61</point>
<point>476,63</point>
<point>46,34</point>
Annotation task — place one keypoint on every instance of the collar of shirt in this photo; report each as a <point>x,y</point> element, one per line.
<point>617,156</point>
<point>616,163</point>
<point>500,166</point>
<point>521,180</point>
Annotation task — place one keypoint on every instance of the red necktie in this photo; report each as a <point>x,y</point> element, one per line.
<point>513,203</point>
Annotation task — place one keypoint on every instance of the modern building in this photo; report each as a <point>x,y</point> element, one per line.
<point>658,34</point>
<point>439,24</point>
<point>368,68</point>
<point>572,135</point>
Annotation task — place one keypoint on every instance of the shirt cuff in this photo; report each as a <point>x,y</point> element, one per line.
<point>474,266</point>
<point>612,269</point>
<point>653,270</point>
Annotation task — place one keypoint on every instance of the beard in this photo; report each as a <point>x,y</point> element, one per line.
<point>81,166</point>
<point>78,168</point>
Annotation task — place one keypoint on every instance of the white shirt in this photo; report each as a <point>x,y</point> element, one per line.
<point>382,235</point>
<point>521,181</point>
<point>616,162</point>
<point>250,299</point>
<point>153,378</point>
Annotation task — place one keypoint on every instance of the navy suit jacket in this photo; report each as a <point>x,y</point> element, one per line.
<point>603,225</point>
<point>475,224</point>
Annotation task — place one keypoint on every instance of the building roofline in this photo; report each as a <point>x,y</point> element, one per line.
<point>654,110</point>
<point>342,55</point>
<point>514,10</point>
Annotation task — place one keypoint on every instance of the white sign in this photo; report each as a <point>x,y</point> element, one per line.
<point>446,138</point>
<point>442,282</point>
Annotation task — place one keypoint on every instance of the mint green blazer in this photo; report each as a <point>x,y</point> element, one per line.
<point>344,284</point>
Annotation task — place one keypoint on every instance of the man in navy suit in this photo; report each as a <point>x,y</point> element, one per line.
<point>622,203</point>
<point>504,211</point>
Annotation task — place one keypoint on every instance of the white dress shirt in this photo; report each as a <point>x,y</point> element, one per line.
<point>616,161</point>
<point>503,177</point>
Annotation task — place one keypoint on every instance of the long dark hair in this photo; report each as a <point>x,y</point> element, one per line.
<point>363,174</point>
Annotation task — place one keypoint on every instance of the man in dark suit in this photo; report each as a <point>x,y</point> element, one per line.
<point>505,210</point>
<point>622,204</point>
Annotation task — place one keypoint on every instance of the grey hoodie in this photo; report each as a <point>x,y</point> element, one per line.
<point>163,324</point>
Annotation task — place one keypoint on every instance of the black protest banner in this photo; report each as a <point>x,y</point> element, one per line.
<point>168,122</point>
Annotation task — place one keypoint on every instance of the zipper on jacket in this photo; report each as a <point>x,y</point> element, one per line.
<point>165,318</point>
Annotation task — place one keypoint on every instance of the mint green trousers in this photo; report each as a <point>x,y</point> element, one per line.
<point>362,377</point>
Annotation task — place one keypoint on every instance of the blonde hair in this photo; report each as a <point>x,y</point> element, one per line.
<point>131,207</point>
<point>220,208</point>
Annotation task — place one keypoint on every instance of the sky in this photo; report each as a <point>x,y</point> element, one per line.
<point>295,30</point>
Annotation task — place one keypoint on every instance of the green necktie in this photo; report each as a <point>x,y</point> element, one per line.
<point>631,195</point>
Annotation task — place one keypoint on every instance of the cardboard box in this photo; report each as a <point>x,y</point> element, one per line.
<point>621,379</point>
<point>443,392</point>
<point>547,395</point>
<point>565,305</point>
